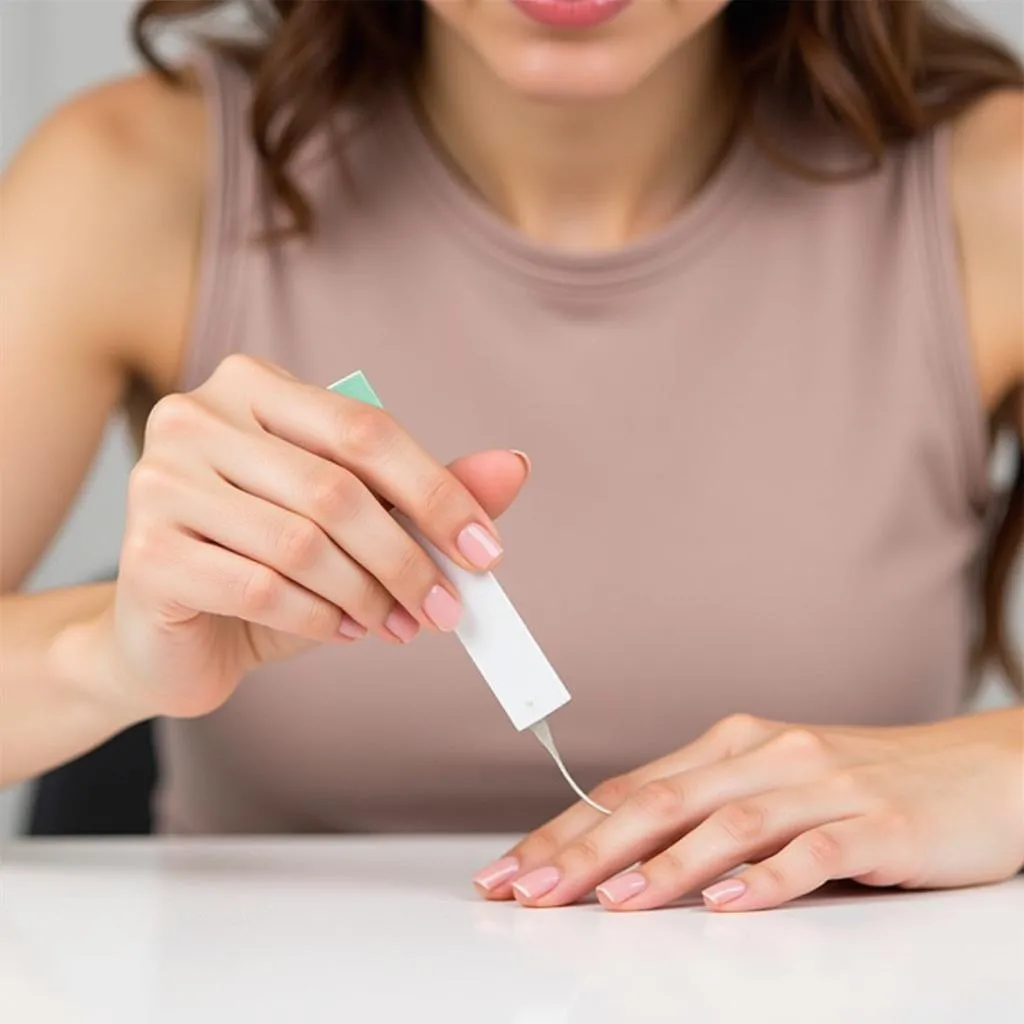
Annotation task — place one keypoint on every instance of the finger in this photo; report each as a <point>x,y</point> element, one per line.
<point>204,578</point>
<point>654,816</point>
<point>731,736</point>
<point>494,882</point>
<point>345,510</point>
<point>844,849</point>
<point>494,478</point>
<point>292,546</point>
<point>735,834</point>
<point>367,441</point>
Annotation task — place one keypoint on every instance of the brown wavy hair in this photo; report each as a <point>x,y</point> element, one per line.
<point>883,71</point>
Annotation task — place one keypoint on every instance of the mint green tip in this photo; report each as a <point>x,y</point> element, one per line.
<point>355,385</point>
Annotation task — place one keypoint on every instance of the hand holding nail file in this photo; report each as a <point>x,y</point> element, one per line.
<point>492,632</point>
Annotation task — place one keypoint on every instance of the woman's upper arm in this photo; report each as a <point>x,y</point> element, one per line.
<point>988,200</point>
<point>101,213</point>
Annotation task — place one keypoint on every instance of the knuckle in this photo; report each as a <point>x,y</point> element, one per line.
<point>801,743</point>
<point>236,367</point>
<point>668,864</point>
<point>299,545</point>
<point>898,824</point>
<point>538,848</point>
<point>148,480</point>
<point>332,495</point>
<point>848,786</point>
<point>823,850</point>
<point>366,432</point>
<point>368,602</point>
<point>744,823</point>
<point>410,568</point>
<point>172,416</point>
<point>318,619</point>
<point>261,590</point>
<point>613,793</point>
<point>142,546</point>
<point>437,492</point>
<point>739,728</point>
<point>661,799</point>
<point>580,857</point>
<point>772,877</point>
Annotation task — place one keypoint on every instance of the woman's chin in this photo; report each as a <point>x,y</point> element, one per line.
<point>570,65</point>
<point>559,74</point>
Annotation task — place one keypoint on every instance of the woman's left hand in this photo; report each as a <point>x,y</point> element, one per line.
<point>928,806</point>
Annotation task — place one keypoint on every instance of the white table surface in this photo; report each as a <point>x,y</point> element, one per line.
<point>364,930</point>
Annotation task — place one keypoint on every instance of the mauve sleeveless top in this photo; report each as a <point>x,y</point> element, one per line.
<point>759,470</point>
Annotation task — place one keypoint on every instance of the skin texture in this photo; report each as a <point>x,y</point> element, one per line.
<point>102,218</point>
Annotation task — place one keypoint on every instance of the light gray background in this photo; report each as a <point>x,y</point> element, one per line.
<point>50,49</point>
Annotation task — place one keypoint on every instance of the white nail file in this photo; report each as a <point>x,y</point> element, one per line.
<point>496,638</point>
<point>493,633</point>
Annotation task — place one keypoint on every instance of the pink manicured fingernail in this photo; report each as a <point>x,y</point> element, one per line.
<point>478,547</point>
<point>401,624</point>
<point>495,874</point>
<point>350,628</point>
<point>442,609</point>
<point>537,883</point>
<point>622,887</point>
<point>724,892</point>
<point>525,460</point>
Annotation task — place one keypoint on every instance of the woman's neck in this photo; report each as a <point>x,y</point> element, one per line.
<point>583,176</point>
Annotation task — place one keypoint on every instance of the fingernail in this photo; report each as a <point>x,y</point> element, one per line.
<point>724,892</point>
<point>622,887</point>
<point>442,609</point>
<point>478,547</point>
<point>401,624</point>
<point>493,875</point>
<point>525,460</point>
<point>537,883</point>
<point>350,628</point>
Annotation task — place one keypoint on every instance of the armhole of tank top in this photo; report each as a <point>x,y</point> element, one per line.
<point>216,306</point>
<point>950,346</point>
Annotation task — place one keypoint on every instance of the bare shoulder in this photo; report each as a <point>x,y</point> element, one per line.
<point>101,217</point>
<point>102,211</point>
<point>144,120</point>
<point>988,200</point>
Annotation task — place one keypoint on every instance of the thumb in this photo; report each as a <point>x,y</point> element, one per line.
<point>494,478</point>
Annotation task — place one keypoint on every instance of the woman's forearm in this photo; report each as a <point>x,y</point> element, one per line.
<point>57,696</point>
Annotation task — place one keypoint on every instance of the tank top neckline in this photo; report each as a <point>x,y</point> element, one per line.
<point>690,234</point>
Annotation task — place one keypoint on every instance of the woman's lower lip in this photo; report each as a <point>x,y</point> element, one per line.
<point>571,13</point>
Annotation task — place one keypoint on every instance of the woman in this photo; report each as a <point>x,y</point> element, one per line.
<point>742,278</point>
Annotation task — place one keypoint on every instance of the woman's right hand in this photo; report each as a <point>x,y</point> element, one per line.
<point>257,527</point>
